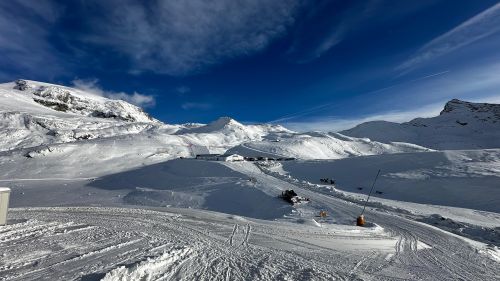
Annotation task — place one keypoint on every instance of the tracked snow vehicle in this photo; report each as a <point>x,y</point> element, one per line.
<point>291,197</point>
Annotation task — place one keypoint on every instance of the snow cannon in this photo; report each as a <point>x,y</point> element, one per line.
<point>360,221</point>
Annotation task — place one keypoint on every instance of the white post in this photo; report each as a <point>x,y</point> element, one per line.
<point>4,204</point>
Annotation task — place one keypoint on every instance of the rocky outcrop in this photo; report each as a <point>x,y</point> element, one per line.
<point>70,100</point>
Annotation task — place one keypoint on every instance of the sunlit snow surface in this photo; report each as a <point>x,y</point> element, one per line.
<point>104,195</point>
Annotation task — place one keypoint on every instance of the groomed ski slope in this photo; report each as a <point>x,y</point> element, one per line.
<point>80,166</point>
<point>458,178</point>
<point>185,244</point>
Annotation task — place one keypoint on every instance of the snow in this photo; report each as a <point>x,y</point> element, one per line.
<point>44,98</point>
<point>105,196</point>
<point>152,268</point>
<point>461,125</point>
<point>316,145</point>
<point>439,178</point>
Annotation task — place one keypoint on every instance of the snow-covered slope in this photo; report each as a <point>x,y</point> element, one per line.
<point>36,113</point>
<point>460,178</point>
<point>36,117</point>
<point>224,133</point>
<point>317,145</point>
<point>56,152</point>
<point>461,125</point>
<point>25,95</point>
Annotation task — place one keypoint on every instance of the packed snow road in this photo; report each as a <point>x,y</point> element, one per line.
<point>423,252</point>
<point>134,244</point>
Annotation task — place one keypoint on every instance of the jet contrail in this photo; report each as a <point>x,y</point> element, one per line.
<point>476,28</point>
<point>429,76</point>
<point>320,107</point>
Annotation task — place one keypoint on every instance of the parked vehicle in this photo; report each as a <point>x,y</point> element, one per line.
<point>291,197</point>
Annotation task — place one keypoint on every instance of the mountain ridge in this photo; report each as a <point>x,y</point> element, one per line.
<point>460,125</point>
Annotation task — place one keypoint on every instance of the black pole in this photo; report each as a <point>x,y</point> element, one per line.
<point>369,194</point>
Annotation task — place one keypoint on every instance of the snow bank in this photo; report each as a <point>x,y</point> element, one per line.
<point>152,268</point>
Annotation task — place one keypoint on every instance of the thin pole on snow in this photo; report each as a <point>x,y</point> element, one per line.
<point>369,194</point>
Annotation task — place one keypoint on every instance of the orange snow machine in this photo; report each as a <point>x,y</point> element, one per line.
<point>360,221</point>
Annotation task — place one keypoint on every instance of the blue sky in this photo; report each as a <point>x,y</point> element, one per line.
<point>310,65</point>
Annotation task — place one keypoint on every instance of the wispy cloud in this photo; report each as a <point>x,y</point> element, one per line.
<point>196,105</point>
<point>323,107</point>
<point>314,39</point>
<point>24,40</point>
<point>182,90</point>
<point>478,27</point>
<point>403,102</point>
<point>91,86</point>
<point>336,123</point>
<point>184,37</point>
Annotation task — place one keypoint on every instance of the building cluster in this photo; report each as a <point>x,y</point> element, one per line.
<point>220,157</point>
<point>236,157</point>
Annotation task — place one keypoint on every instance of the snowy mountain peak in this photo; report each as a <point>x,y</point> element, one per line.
<point>460,125</point>
<point>74,101</point>
<point>224,122</point>
<point>452,105</point>
<point>459,106</point>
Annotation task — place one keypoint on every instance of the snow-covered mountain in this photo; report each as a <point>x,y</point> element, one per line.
<point>28,94</point>
<point>57,152</point>
<point>460,125</point>
<point>229,126</point>
<point>225,133</point>
<point>39,119</point>
<point>35,113</point>
<point>318,145</point>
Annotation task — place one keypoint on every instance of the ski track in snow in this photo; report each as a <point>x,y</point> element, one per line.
<point>105,243</point>
<point>115,249</point>
<point>182,244</point>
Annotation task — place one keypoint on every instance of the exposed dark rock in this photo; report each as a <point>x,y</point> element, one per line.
<point>21,85</point>
<point>53,104</point>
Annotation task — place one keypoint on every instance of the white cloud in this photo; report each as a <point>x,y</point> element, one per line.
<point>478,27</point>
<point>183,37</point>
<point>134,98</point>
<point>24,44</point>
<point>182,90</point>
<point>196,105</point>
<point>335,124</point>
<point>352,19</point>
<point>403,102</point>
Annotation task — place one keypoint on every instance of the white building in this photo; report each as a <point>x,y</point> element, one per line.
<point>219,157</point>
<point>230,157</point>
